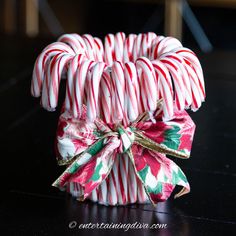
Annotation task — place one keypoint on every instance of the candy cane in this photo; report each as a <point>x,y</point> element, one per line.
<point>82,44</point>
<point>42,62</point>
<point>103,193</point>
<point>99,49</point>
<point>149,93</point>
<point>195,87</point>
<point>166,88</point>
<point>93,89</point>
<point>184,76</point>
<point>191,59</point>
<point>131,88</point>
<point>164,45</point>
<point>56,72</point>
<point>142,198</point>
<point>72,41</point>
<point>132,183</point>
<point>146,43</point>
<point>90,45</point>
<point>177,80</point>
<point>119,46</point>
<point>168,44</point>
<point>128,48</point>
<point>118,181</point>
<point>113,190</point>
<point>106,94</point>
<point>201,86</point>
<point>109,49</point>
<point>94,195</point>
<point>136,49</point>
<point>154,44</point>
<point>118,89</point>
<point>123,169</point>
<point>75,63</point>
<point>79,87</point>
<point>46,83</point>
<point>190,55</point>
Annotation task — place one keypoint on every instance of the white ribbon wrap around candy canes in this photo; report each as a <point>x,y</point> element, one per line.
<point>118,81</point>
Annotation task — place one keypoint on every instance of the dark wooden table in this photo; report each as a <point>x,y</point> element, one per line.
<point>30,206</point>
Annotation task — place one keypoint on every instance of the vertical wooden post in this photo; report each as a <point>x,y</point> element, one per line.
<point>173,18</point>
<point>9,16</point>
<point>32,18</point>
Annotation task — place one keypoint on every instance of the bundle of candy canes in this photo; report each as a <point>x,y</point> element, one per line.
<point>124,110</point>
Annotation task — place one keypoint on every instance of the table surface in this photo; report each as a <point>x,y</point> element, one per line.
<point>30,206</point>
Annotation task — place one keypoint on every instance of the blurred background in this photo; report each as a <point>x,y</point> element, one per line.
<point>27,26</point>
<point>48,18</point>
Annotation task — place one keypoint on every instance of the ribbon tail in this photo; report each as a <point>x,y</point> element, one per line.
<point>158,174</point>
<point>182,192</point>
<point>79,161</point>
<point>102,169</point>
<point>90,168</point>
<point>130,154</point>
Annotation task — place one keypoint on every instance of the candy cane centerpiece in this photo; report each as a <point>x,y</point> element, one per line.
<point>124,104</point>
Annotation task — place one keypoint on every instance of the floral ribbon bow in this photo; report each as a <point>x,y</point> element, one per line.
<point>89,150</point>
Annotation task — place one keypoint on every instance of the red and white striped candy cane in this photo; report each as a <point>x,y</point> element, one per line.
<point>163,45</point>
<point>198,75</point>
<point>79,87</point>
<point>119,46</point>
<point>99,50</point>
<point>103,193</point>
<point>46,83</point>
<point>118,181</point>
<point>149,87</point>
<point>184,75</point>
<point>154,47</point>
<point>73,66</point>
<point>93,90</point>
<point>132,90</point>
<point>166,88</point>
<point>124,176</point>
<point>113,188</point>
<point>72,41</point>
<point>121,175</point>
<point>82,49</point>
<point>136,48</point>
<point>55,75</point>
<point>190,55</point>
<point>109,53</point>
<point>118,90</point>
<point>147,43</point>
<point>177,80</point>
<point>128,48</point>
<point>132,184</point>
<point>142,196</point>
<point>106,94</point>
<point>90,45</point>
<point>195,87</point>
<point>191,59</point>
<point>168,44</point>
<point>41,63</point>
